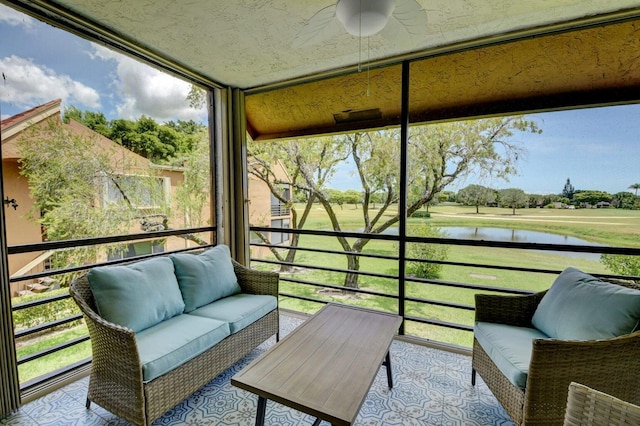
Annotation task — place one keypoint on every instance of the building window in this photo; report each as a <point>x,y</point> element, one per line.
<point>137,249</point>
<point>279,208</point>
<point>279,237</point>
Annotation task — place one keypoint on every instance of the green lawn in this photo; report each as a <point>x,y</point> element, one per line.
<point>56,360</point>
<point>609,226</point>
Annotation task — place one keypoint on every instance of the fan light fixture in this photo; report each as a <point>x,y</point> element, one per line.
<point>363,18</point>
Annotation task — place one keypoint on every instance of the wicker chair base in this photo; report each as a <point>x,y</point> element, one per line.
<point>510,396</point>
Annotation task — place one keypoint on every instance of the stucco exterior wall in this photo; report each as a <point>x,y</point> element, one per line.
<point>260,213</point>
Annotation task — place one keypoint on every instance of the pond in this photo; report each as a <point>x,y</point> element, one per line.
<point>521,236</point>
<point>514,235</point>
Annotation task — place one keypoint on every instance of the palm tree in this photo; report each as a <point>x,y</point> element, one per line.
<point>635,186</point>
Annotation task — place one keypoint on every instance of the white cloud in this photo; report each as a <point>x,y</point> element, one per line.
<point>144,90</point>
<point>28,84</point>
<point>14,18</point>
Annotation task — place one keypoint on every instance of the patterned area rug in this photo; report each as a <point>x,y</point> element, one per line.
<point>431,387</point>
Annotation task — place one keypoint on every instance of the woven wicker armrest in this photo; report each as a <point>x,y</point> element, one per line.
<point>112,344</point>
<point>586,407</point>
<point>610,365</point>
<point>256,282</point>
<point>509,310</point>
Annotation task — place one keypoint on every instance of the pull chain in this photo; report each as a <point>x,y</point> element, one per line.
<point>368,62</point>
<point>360,39</point>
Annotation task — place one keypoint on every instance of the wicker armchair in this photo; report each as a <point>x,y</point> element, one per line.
<point>611,365</point>
<point>116,381</point>
<point>589,407</point>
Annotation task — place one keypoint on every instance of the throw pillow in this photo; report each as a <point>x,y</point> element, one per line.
<point>136,296</point>
<point>206,277</point>
<point>579,306</point>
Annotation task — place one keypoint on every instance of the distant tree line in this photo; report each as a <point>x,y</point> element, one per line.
<point>514,198</point>
<point>482,196</point>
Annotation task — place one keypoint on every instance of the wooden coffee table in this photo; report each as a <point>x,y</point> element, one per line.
<point>326,366</point>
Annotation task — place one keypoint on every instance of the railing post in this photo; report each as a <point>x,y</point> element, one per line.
<point>10,395</point>
<point>402,202</point>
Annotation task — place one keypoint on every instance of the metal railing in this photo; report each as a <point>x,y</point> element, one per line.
<point>297,286</point>
<point>280,210</point>
<point>70,314</point>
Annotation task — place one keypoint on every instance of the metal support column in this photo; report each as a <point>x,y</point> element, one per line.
<point>10,394</point>
<point>402,202</point>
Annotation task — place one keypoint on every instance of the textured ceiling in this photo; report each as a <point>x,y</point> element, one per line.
<point>251,43</point>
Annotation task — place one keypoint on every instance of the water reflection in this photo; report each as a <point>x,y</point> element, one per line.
<point>514,235</point>
<point>521,236</point>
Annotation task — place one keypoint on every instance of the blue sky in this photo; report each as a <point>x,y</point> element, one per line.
<point>597,148</point>
<point>41,63</point>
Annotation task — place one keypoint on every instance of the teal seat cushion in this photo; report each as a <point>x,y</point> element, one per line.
<point>579,306</point>
<point>175,341</point>
<point>239,310</point>
<point>136,296</point>
<point>509,348</point>
<point>205,277</point>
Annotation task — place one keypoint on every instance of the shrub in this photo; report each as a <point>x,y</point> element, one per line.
<point>425,251</point>
<point>40,314</point>
<point>622,264</point>
<point>421,214</point>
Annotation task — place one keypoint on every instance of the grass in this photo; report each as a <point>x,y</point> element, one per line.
<point>56,360</point>
<point>608,226</point>
<point>481,276</point>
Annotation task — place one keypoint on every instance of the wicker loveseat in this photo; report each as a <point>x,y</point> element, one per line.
<point>129,377</point>
<point>533,389</point>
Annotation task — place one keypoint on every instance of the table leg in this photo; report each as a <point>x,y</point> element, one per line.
<point>317,422</point>
<point>262,406</point>
<point>387,363</point>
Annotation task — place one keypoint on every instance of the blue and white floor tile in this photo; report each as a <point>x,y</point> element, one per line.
<point>431,387</point>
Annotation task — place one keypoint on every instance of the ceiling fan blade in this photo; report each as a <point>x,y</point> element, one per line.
<point>321,26</point>
<point>411,15</point>
<point>397,34</point>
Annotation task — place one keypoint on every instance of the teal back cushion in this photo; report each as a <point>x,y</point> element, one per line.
<point>138,295</point>
<point>204,278</point>
<point>581,307</point>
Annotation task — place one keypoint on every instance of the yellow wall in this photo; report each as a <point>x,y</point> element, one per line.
<point>20,229</point>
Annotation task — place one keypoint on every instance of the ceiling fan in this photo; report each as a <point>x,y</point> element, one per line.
<point>395,20</point>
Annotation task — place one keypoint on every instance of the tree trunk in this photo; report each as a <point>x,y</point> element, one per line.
<point>291,254</point>
<point>351,279</point>
<point>295,239</point>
